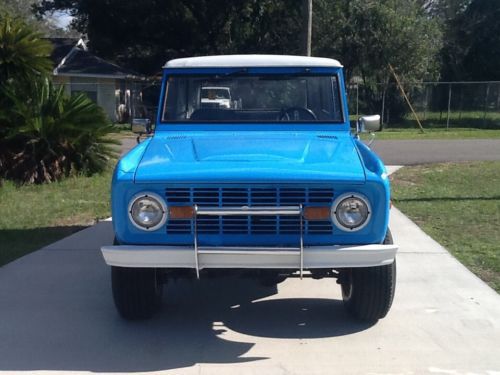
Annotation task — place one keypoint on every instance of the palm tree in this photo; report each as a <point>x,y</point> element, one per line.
<point>23,60</point>
<point>44,134</point>
<point>24,55</point>
<point>56,136</point>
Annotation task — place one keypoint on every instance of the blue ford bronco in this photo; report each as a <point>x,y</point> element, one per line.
<point>271,184</point>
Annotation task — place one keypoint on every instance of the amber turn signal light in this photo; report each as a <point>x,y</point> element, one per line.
<point>180,212</point>
<point>317,213</point>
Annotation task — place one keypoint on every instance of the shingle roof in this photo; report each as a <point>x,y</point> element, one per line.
<point>83,62</point>
<point>62,46</point>
<point>70,57</point>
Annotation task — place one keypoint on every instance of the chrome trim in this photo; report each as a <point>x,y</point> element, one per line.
<point>239,249</point>
<point>301,243</point>
<point>247,251</point>
<point>336,203</point>
<point>160,200</point>
<point>196,251</point>
<point>250,211</point>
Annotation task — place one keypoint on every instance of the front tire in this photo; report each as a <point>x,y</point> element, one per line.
<point>368,292</point>
<point>136,291</point>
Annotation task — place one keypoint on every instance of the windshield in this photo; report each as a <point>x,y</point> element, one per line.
<point>252,98</point>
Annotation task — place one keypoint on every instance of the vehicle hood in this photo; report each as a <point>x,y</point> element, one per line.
<point>234,157</point>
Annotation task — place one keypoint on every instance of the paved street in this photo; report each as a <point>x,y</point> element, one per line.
<point>407,152</point>
<point>56,314</point>
<point>127,144</point>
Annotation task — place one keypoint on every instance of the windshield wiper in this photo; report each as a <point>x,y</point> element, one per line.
<point>280,77</point>
<point>235,72</point>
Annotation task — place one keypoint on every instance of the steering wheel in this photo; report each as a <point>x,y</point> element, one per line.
<point>295,113</point>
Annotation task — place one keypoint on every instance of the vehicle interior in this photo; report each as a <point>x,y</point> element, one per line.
<point>253,98</point>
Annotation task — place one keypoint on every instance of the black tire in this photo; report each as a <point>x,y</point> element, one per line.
<point>136,291</point>
<point>368,292</point>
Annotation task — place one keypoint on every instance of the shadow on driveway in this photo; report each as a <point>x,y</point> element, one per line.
<point>57,314</point>
<point>15,243</point>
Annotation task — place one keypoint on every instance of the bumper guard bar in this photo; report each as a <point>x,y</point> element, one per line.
<point>250,211</point>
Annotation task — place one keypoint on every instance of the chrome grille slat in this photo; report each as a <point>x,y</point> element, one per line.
<point>252,197</point>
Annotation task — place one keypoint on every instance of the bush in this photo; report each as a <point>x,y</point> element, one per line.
<point>55,136</point>
<point>24,55</point>
<point>44,134</point>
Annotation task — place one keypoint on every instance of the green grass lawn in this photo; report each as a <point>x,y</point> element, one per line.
<point>457,204</point>
<point>37,215</point>
<point>458,119</point>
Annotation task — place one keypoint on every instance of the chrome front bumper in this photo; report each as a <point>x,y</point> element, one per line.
<point>199,257</point>
<point>249,257</point>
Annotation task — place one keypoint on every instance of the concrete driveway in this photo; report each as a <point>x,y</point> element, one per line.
<point>56,314</point>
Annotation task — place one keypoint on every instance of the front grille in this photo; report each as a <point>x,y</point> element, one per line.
<point>249,196</point>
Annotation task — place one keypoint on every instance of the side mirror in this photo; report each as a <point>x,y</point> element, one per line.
<point>370,123</point>
<point>141,125</point>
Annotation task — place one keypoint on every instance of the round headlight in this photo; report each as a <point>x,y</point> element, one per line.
<point>351,212</point>
<point>147,211</point>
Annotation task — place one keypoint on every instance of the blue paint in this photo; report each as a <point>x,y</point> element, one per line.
<point>242,156</point>
<point>252,155</point>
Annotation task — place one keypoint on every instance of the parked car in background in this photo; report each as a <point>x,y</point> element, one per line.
<point>216,96</point>
<point>273,187</point>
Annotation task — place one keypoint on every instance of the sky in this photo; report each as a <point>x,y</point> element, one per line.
<point>62,19</point>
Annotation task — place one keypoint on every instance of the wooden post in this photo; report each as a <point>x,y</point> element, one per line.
<point>307,29</point>
<point>486,103</point>
<point>426,102</point>
<point>357,101</point>
<point>460,104</point>
<point>449,107</point>
<point>406,98</point>
<point>383,105</point>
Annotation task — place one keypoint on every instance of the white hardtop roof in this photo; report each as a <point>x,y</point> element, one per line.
<point>248,61</point>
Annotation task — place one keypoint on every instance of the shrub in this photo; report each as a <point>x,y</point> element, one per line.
<point>55,136</point>
<point>24,55</point>
<point>44,134</point>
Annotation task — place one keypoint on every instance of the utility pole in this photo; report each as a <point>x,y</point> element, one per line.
<point>307,28</point>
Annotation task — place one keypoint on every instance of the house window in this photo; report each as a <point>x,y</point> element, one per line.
<point>85,85</point>
<point>91,94</point>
